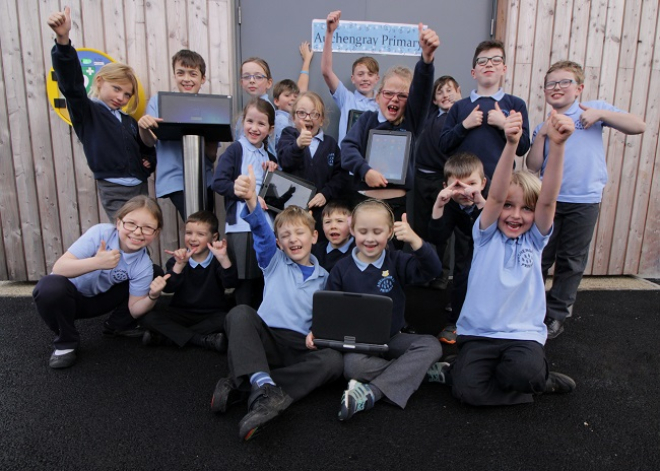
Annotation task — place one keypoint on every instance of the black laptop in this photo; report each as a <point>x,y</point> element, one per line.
<point>351,322</point>
<point>194,113</point>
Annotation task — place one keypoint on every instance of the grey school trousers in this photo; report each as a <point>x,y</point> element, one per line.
<point>399,372</point>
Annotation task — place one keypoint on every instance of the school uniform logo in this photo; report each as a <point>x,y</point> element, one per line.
<point>331,159</point>
<point>525,258</point>
<point>386,283</point>
<point>578,124</point>
<point>119,275</point>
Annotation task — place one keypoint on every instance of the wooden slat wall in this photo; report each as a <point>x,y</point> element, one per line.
<point>617,42</point>
<point>48,196</point>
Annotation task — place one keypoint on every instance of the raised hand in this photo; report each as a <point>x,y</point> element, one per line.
<point>429,42</point>
<point>496,117</point>
<point>107,259</point>
<point>404,233</point>
<point>560,127</point>
<point>332,21</point>
<point>219,249</point>
<point>182,256</point>
<point>513,127</point>
<point>474,119</point>
<point>60,23</point>
<point>245,186</point>
<point>306,52</point>
<point>158,285</point>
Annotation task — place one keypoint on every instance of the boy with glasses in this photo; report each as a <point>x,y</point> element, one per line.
<point>584,177</point>
<point>476,124</point>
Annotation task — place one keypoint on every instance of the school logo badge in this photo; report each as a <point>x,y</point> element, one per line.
<point>525,258</point>
<point>386,283</point>
<point>578,124</point>
<point>331,159</point>
<point>119,275</point>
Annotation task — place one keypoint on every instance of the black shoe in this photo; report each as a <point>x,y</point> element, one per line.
<point>152,339</point>
<point>62,361</point>
<point>133,332</point>
<point>555,327</point>
<point>265,403</point>
<point>559,383</point>
<point>217,342</point>
<point>226,395</point>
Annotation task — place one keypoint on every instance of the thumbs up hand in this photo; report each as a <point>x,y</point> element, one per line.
<point>404,233</point>
<point>474,119</point>
<point>106,259</point>
<point>589,116</point>
<point>496,117</point>
<point>245,187</point>
<point>60,23</point>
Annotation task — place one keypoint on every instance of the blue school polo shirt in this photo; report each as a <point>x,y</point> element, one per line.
<point>135,267</point>
<point>585,169</point>
<point>169,154</point>
<point>347,101</point>
<point>506,294</point>
<point>283,120</point>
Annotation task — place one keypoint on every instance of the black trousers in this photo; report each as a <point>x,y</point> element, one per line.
<point>494,372</point>
<point>179,325</point>
<point>253,347</point>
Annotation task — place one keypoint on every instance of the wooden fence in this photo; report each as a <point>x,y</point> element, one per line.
<point>47,193</point>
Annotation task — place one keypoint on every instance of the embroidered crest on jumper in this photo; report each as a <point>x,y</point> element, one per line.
<point>525,258</point>
<point>386,284</point>
<point>119,275</point>
<point>331,159</point>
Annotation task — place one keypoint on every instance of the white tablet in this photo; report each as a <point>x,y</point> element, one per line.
<point>389,153</point>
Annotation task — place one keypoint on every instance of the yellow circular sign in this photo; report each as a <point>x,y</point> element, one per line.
<point>91,60</point>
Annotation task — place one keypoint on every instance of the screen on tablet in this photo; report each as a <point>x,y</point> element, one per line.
<point>389,152</point>
<point>281,190</point>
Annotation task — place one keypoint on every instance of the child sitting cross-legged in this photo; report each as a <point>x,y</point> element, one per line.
<point>199,274</point>
<point>501,334</point>
<point>267,353</point>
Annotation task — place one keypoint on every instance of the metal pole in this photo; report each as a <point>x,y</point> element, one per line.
<point>194,174</point>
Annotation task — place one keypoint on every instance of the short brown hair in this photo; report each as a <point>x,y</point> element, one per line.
<point>261,63</point>
<point>369,62</point>
<point>336,206</point>
<point>484,46</point>
<point>530,184</point>
<point>570,66</point>
<point>139,202</point>
<point>286,85</point>
<point>444,80</point>
<point>294,215</point>
<point>463,165</point>
<point>118,72</point>
<point>205,217</point>
<point>190,59</point>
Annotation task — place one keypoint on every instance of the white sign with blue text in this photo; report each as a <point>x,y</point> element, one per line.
<point>369,37</point>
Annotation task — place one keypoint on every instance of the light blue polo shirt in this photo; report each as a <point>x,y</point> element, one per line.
<point>585,169</point>
<point>506,294</point>
<point>169,155</point>
<point>287,301</point>
<point>135,267</point>
<point>283,120</point>
<point>347,101</point>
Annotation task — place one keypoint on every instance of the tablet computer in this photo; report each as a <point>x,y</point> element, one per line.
<point>353,116</point>
<point>389,153</point>
<point>281,190</point>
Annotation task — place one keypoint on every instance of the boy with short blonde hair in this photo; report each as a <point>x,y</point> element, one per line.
<point>584,177</point>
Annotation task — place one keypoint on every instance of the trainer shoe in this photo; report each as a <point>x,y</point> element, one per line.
<point>264,404</point>
<point>437,372</point>
<point>559,383</point>
<point>62,361</point>
<point>226,395</point>
<point>358,397</point>
<point>217,342</point>
<point>448,334</point>
<point>555,327</point>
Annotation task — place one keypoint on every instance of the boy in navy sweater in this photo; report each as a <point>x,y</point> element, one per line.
<point>339,243</point>
<point>199,274</point>
<point>476,124</point>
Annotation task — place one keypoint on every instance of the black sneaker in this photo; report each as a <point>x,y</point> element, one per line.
<point>133,332</point>
<point>226,395</point>
<point>217,342</point>
<point>153,339</point>
<point>555,327</point>
<point>265,403</point>
<point>559,383</point>
<point>62,361</point>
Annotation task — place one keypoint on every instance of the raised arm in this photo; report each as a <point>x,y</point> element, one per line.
<point>60,23</point>
<point>499,186</point>
<point>307,54</point>
<point>560,127</point>
<point>331,79</point>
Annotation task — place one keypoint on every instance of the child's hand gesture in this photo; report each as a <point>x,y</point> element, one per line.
<point>375,179</point>
<point>306,52</point>
<point>181,256</point>
<point>149,122</point>
<point>496,117</point>
<point>473,194</point>
<point>106,259</point>
<point>157,286</point>
<point>429,42</point>
<point>245,187</point>
<point>60,22</point>
<point>219,249</point>
<point>332,21</point>
<point>445,195</point>
<point>305,139</point>
<point>404,233</point>
<point>560,127</point>
<point>589,116</point>
<point>474,119</point>
<point>269,166</point>
<point>318,201</point>
<point>513,127</point>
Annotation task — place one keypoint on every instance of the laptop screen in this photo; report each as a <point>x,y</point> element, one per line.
<point>188,108</point>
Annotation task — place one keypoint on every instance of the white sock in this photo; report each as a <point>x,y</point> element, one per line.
<point>62,352</point>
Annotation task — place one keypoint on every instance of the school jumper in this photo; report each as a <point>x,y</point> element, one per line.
<point>328,257</point>
<point>272,339</point>
<point>399,372</point>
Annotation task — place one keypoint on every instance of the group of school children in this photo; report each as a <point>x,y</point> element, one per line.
<point>508,227</point>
